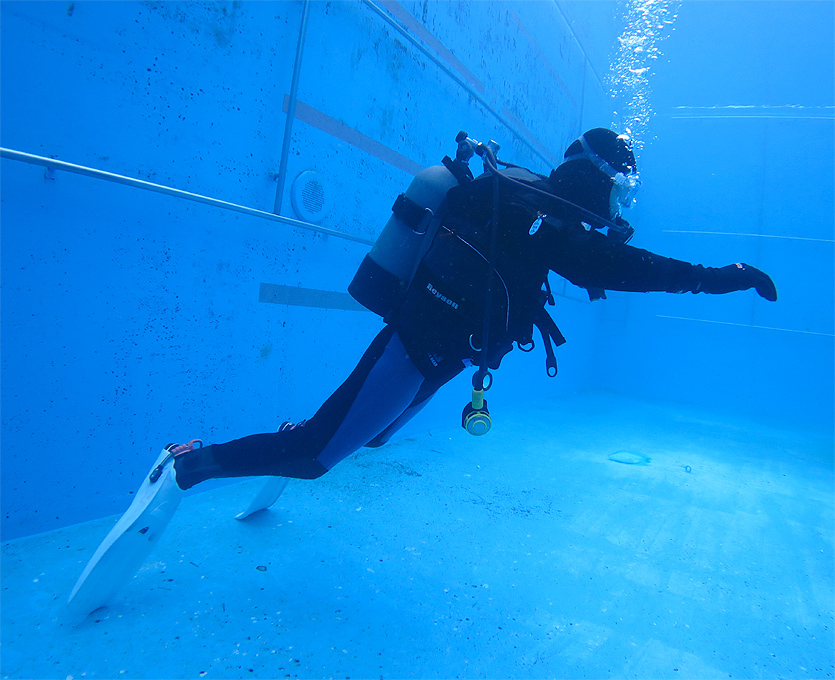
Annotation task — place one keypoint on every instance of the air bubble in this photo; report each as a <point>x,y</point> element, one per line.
<point>629,73</point>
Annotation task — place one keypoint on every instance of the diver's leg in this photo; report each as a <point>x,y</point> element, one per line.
<point>426,392</point>
<point>381,387</point>
<point>378,391</point>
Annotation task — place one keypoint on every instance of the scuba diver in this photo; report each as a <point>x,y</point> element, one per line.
<point>459,274</point>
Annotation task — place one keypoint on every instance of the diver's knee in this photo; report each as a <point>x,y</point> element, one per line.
<point>314,470</point>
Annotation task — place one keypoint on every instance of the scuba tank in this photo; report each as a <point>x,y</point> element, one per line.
<point>387,270</point>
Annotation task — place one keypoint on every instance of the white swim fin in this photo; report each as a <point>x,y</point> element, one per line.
<point>130,542</point>
<point>269,493</point>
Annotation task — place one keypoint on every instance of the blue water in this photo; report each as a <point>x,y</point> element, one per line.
<point>131,318</point>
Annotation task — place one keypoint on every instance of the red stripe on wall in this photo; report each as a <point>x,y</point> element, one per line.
<point>417,28</point>
<point>321,121</point>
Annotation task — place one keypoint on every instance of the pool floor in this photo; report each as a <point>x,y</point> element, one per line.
<point>527,553</point>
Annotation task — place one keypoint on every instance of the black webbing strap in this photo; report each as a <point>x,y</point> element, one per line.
<point>414,216</point>
<point>551,337</point>
<point>459,169</point>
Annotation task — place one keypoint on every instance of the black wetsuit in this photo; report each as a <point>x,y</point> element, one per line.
<point>437,331</point>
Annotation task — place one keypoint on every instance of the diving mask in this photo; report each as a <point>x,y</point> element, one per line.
<point>624,186</point>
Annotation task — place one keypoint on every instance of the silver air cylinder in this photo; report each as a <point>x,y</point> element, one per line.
<point>388,269</point>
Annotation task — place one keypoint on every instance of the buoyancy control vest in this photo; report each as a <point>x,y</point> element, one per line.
<point>442,314</point>
<point>428,270</point>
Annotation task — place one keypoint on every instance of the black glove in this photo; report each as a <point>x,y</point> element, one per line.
<point>738,276</point>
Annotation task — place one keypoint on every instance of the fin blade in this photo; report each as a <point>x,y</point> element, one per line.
<point>127,545</point>
<point>269,494</point>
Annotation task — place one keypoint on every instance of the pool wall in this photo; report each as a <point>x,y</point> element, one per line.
<point>133,318</point>
<point>739,168</point>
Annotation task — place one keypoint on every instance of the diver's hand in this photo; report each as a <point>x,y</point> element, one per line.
<point>760,281</point>
<point>741,276</point>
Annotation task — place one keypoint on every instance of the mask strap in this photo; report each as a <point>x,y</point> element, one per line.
<point>589,154</point>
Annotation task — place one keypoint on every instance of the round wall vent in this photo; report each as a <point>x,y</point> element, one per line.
<point>308,197</point>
